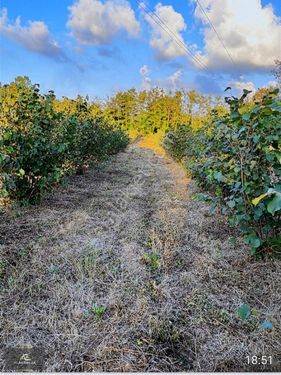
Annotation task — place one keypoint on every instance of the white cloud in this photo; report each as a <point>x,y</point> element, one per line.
<point>164,44</point>
<point>239,85</point>
<point>251,33</point>
<point>146,83</point>
<point>272,84</point>
<point>94,22</point>
<point>172,82</point>
<point>144,70</point>
<point>35,36</point>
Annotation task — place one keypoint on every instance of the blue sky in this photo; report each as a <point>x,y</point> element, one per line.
<point>98,47</point>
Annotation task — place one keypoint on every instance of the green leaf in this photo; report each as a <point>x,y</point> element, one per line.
<point>270,157</point>
<point>256,138</point>
<point>256,243</point>
<point>278,156</point>
<point>244,311</point>
<point>201,197</point>
<point>258,212</point>
<point>232,220</point>
<point>246,92</point>
<point>219,176</point>
<point>253,239</point>
<point>278,188</point>
<point>246,116</point>
<point>224,211</point>
<point>231,204</point>
<point>4,193</point>
<point>275,204</point>
<point>62,148</point>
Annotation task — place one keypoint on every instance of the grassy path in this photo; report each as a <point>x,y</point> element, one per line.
<point>122,271</point>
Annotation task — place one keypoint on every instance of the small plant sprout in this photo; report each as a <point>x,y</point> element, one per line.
<point>244,311</point>
<point>96,310</point>
<point>152,261</point>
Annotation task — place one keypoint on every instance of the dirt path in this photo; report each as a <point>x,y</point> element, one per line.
<point>127,237</point>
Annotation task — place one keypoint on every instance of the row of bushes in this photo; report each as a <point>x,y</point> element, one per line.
<point>39,145</point>
<point>238,158</point>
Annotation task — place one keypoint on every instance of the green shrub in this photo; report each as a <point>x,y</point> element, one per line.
<point>238,158</point>
<point>39,145</point>
<point>176,142</point>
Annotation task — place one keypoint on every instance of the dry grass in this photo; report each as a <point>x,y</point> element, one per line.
<point>92,242</point>
<point>152,142</point>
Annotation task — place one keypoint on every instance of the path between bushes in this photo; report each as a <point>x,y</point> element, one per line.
<point>128,237</point>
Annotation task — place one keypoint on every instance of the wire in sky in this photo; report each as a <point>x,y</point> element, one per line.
<point>170,32</point>
<point>213,27</point>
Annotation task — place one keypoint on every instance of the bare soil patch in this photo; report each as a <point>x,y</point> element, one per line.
<point>121,270</point>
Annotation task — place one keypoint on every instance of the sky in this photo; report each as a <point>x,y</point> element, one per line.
<point>99,47</point>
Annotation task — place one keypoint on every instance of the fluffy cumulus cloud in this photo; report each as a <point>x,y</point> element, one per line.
<point>251,33</point>
<point>96,22</point>
<point>163,38</point>
<point>171,82</point>
<point>144,70</point>
<point>34,37</point>
<point>174,80</point>
<point>239,85</point>
<point>146,83</point>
